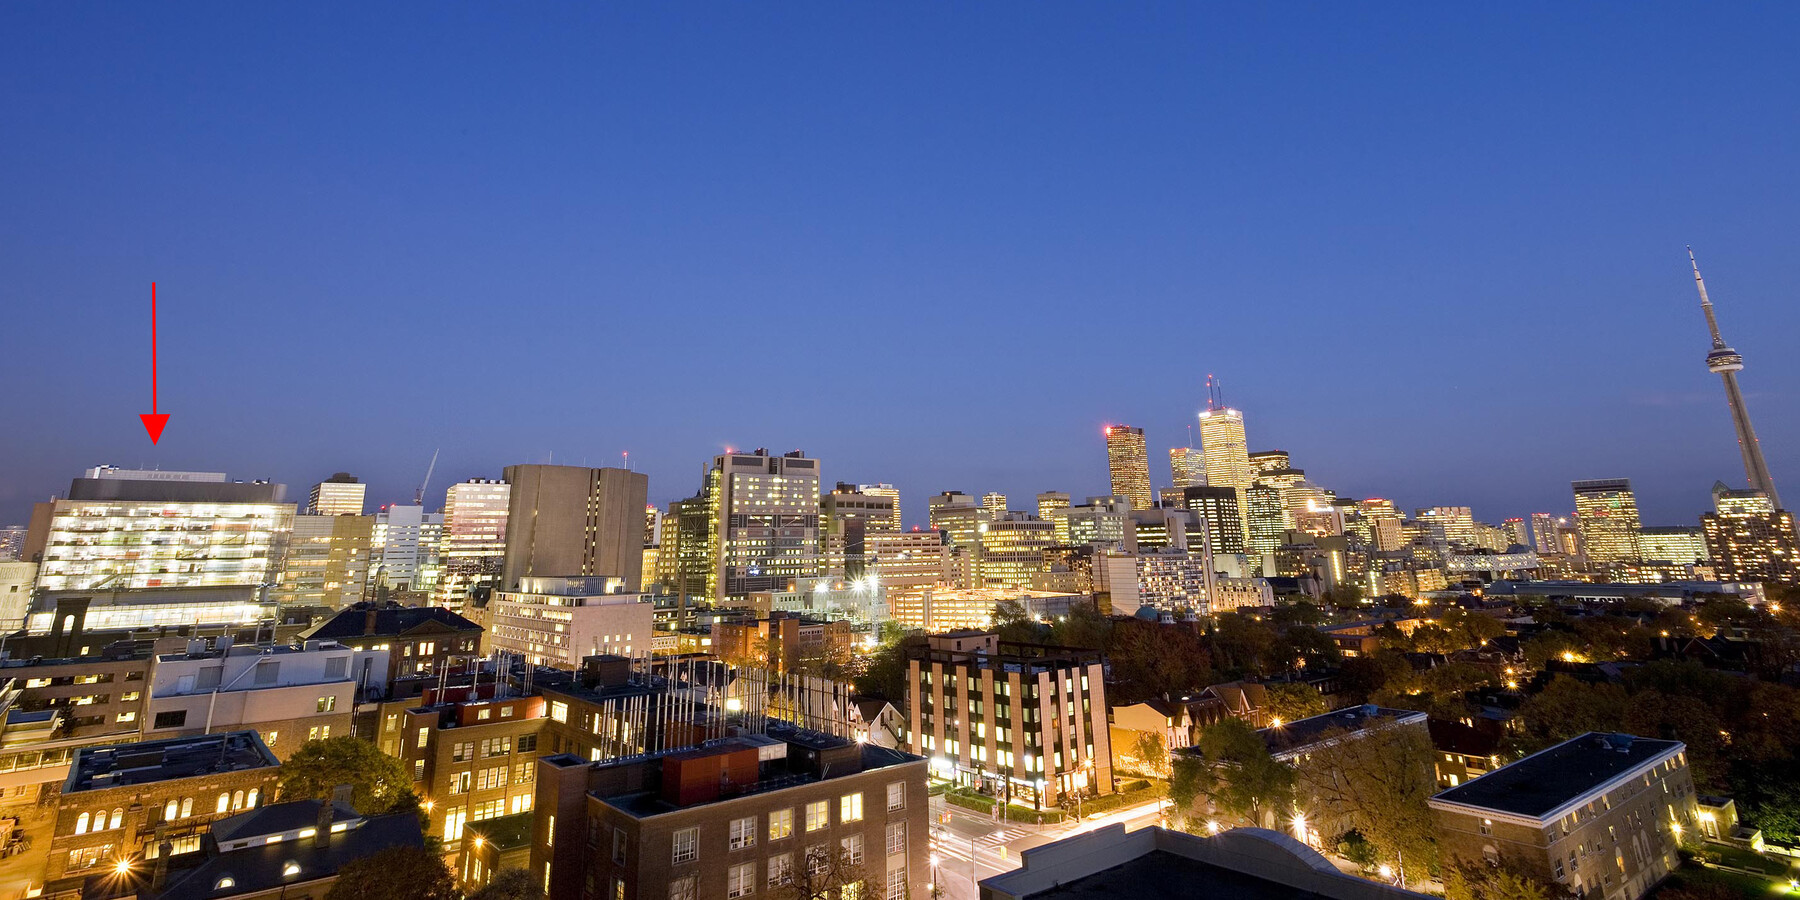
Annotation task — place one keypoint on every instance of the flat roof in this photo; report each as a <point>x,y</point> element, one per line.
<point>148,762</point>
<point>1548,780</point>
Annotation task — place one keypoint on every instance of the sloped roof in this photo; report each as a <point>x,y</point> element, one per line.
<point>392,619</point>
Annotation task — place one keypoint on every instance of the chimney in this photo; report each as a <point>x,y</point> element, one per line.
<point>369,620</point>
<point>322,831</point>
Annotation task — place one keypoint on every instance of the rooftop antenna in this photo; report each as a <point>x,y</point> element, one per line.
<point>627,455</point>
<point>1215,394</point>
<point>419,497</point>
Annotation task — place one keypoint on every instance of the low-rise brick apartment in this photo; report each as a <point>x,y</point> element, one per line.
<point>1600,814</point>
<point>742,816</point>
<point>471,760</point>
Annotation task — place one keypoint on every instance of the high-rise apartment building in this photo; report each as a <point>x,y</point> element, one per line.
<point>473,549</point>
<point>1517,535</point>
<point>1187,465</point>
<point>1545,533</point>
<point>124,529</point>
<point>1606,513</point>
<point>570,520</point>
<point>1129,462</point>
<point>404,550</point>
<point>1226,450</point>
<point>767,518</point>
<point>891,493</point>
<point>339,495</point>
<point>327,561</point>
<point>977,705</point>
<point>1749,539</point>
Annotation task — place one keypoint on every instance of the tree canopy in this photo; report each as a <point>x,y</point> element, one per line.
<point>397,873</point>
<point>379,782</point>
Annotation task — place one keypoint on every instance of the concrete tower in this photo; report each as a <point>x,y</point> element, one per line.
<point>1727,362</point>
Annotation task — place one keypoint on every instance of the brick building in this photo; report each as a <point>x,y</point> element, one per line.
<point>743,816</point>
<point>471,761</point>
<point>117,797</point>
<point>420,643</point>
<point>1600,814</point>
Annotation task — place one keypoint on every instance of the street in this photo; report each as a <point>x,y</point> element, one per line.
<point>978,845</point>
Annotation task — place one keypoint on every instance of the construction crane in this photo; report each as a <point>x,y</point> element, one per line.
<point>419,498</point>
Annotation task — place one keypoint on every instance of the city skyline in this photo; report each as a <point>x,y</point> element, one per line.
<point>1434,266</point>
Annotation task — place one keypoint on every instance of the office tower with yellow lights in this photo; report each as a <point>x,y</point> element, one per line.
<point>339,495</point>
<point>1226,451</point>
<point>1217,510</point>
<point>1679,544</point>
<point>1053,507</point>
<point>1516,533</point>
<point>327,562</point>
<point>406,552</point>
<point>767,520</point>
<point>890,492</point>
<point>474,543</point>
<point>995,503</point>
<point>1384,523</point>
<point>850,516</point>
<point>1100,522</point>
<point>958,516</point>
<point>1749,539</point>
<point>1129,462</point>
<point>1264,462</point>
<point>1187,465</point>
<point>1606,513</point>
<point>1012,549</point>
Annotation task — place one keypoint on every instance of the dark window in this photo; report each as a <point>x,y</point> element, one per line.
<point>172,719</point>
<point>527,743</point>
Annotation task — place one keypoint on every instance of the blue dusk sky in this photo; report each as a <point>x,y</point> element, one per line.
<point>1432,250</point>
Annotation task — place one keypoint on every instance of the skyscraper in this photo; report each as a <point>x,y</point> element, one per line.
<point>1749,539</point>
<point>474,542</point>
<point>327,561</point>
<point>767,520</point>
<point>1188,466</point>
<point>1227,453</point>
<point>571,520</point>
<point>1217,510</point>
<point>405,549</point>
<point>1607,514</point>
<point>1129,463</point>
<point>1053,507</point>
<point>995,503</point>
<point>339,495</point>
<point>1727,363</point>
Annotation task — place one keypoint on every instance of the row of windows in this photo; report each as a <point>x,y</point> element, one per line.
<point>741,881</point>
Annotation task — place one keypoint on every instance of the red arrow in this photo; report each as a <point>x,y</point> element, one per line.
<point>153,420</point>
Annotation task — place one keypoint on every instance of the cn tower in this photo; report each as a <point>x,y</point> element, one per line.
<point>1727,362</point>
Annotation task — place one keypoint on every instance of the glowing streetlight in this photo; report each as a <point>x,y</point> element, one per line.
<point>1212,827</point>
<point>122,867</point>
<point>1387,871</point>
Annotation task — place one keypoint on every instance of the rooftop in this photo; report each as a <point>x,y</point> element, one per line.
<point>393,619</point>
<point>506,832</point>
<point>267,867</point>
<point>1291,736</point>
<point>1544,782</point>
<point>148,762</point>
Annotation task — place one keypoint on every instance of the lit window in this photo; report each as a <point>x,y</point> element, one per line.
<point>850,808</point>
<point>818,815</point>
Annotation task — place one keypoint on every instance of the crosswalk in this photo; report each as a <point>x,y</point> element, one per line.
<point>991,849</point>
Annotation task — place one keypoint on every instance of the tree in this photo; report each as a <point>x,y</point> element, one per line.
<point>1149,750</point>
<point>1150,659</point>
<point>1294,701</point>
<point>1013,623</point>
<point>885,674</point>
<point>397,873</point>
<point>379,783</point>
<point>1483,881</point>
<point>508,884</point>
<point>1239,779</point>
<point>821,873</point>
<point>1566,708</point>
<point>1375,782</point>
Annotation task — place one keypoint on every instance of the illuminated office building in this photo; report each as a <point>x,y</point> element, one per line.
<point>1218,510</point>
<point>1012,549</point>
<point>1516,533</point>
<point>1153,530</point>
<point>890,492</point>
<point>1450,525</point>
<point>1188,467</point>
<point>1266,520</point>
<point>339,495</point>
<point>474,542</point>
<point>1749,539</point>
<point>1227,453</point>
<point>1129,462</point>
<point>850,516</point>
<point>1053,507</point>
<point>958,515</point>
<point>908,562</point>
<point>767,519</point>
<point>405,550</point>
<point>1269,461</point>
<point>557,621</point>
<point>1606,513</point>
<point>1680,544</point>
<point>1384,523</point>
<point>1101,522</point>
<point>995,503</point>
<point>125,529</point>
<point>327,561</point>
<point>12,542</point>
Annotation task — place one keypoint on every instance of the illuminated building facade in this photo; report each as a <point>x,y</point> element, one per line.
<point>1101,521</point>
<point>130,530</point>
<point>405,550</point>
<point>1053,507</point>
<point>1188,467</point>
<point>907,563</point>
<point>1129,463</point>
<point>957,515</point>
<point>1606,513</point>
<point>1227,453</point>
<point>1218,511</point>
<point>767,520</point>
<point>1265,462</point>
<point>327,561</point>
<point>474,540</point>
<point>850,516</point>
<point>1011,550</point>
<point>557,621</point>
<point>1749,539</point>
<point>1677,544</point>
<point>339,495</point>
<point>891,493</point>
<point>1266,518</point>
